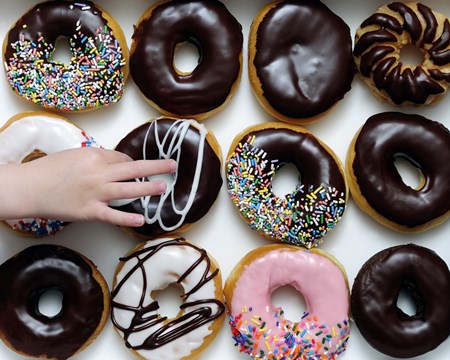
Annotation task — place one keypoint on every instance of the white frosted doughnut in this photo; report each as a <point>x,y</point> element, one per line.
<point>27,132</point>
<point>153,266</point>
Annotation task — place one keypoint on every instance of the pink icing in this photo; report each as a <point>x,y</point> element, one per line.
<point>261,330</point>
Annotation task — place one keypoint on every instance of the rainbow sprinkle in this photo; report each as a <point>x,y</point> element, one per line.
<point>307,339</point>
<point>302,217</point>
<point>93,78</point>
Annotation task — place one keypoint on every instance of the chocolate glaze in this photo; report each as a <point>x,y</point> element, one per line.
<point>303,58</point>
<point>217,35</point>
<point>403,85</point>
<point>175,328</point>
<point>425,144</point>
<point>421,273</point>
<point>53,19</point>
<point>25,277</point>
<point>314,163</point>
<point>210,179</point>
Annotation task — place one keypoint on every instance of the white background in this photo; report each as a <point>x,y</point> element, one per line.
<point>221,231</point>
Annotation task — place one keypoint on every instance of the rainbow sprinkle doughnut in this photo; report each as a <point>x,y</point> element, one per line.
<point>98,68</point>
<point>262,331</point>
<point>303,216</point>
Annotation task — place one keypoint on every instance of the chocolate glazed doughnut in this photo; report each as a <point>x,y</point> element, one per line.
<point>378,44</point>
<point>96,73</point>
<point>421,273</point>
<point>313,208</point>
<point>375,183</point>
<point>300,59</point>
<point>85,306</point>
<point>196,182</point>
<point>218,37</point>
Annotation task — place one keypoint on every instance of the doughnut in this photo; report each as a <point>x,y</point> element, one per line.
<point>378,46</point>
<point>193,188</point>
<point>261,330</point>
<point>376,184</point>
<point>300,60</point>
<point>217,35</point>
<point>31,135</point>
<point>98,67</point>
<point>153,266</point>
<point>303,216</point>
<point>422,274</point>
<point>85,305</point>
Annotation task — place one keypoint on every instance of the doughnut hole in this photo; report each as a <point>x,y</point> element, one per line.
<point>50,302</point>
<point>34,155</point>
<point>409,300</point>
<point>62,53</point>
<point>291,301</point>
<point>187,56</point>
<point>411,55</point>
<point>410,172</point>
<point>286,179</point>
<point>169,300</point>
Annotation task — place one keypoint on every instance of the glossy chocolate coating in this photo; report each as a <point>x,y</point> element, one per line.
<point>426,278</point>
<point>218,37</point>
<point>314,163</point>
<point>171,330</point>
<point>401,84</point>
<point>303,58</point>
<point>209,184</point>
<point>53,19</point>
<point>25,277</point>
<point>425,144</point>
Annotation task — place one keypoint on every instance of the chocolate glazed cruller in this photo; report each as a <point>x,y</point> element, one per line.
<point>153,266</point>
<point>377,52</point>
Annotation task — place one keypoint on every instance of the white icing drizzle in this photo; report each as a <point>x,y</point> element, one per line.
<point>172,142</point>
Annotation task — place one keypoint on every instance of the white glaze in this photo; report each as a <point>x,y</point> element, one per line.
<point>160,270</point>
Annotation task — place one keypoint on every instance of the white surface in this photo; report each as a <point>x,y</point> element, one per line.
<point>221,231</point>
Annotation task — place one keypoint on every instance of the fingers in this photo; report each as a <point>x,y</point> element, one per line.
<point>120,218</point>
<point>133,189</point>
<point>141,168</point>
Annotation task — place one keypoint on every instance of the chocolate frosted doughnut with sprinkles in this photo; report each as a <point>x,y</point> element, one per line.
<point>314,207</point>
<point>194,187</point>
<point>28,136</point>
<point>378,45</point>
<point>98,67</point>
<point>153,266</point>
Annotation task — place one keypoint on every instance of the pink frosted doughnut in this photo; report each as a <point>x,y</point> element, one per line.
<point>261,330</point>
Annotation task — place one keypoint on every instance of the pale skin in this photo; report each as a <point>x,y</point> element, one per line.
<point>77,185</point>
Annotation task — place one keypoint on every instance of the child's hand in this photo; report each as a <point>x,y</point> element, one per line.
<point>78,184</point>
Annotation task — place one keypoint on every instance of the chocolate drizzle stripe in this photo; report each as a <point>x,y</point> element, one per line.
<point>175,328</point>
<point>412,23</point>
<point>432,24</point>
<point>371,38</point>
<point>385,21</point>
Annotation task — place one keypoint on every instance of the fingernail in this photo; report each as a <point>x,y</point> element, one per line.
<point>173,165</point>
<point>139,220</point>
<point>162,186</point>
